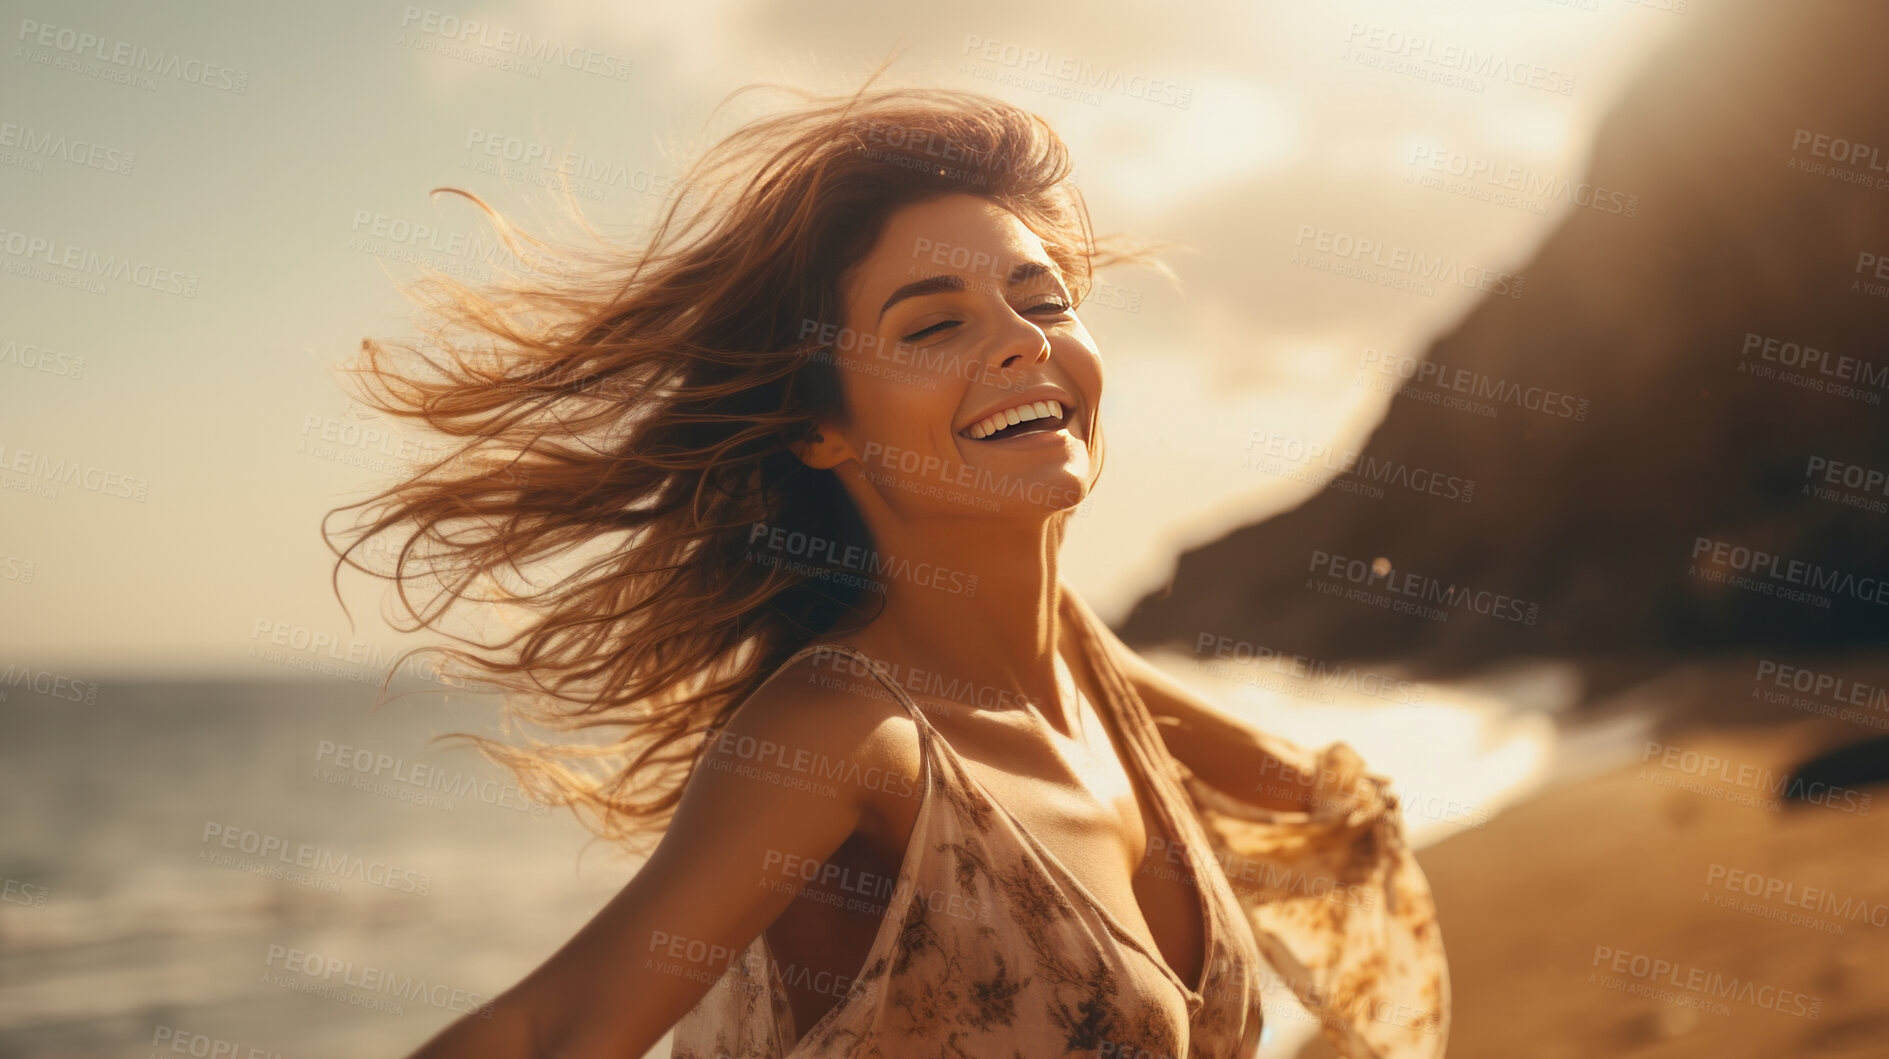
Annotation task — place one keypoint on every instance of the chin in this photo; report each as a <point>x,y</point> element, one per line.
<point>1048,493</point>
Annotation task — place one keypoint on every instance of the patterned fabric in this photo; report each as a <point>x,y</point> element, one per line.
<point>1336,900</point>
<point>990,949</point>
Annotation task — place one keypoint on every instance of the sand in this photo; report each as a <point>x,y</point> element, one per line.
<point>1536,904</point>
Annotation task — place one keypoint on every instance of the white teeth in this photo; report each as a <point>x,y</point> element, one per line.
<point>996,421</point>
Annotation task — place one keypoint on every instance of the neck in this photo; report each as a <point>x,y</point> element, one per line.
<point>997,637</point>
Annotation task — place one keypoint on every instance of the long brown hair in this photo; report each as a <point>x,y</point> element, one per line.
<point>627,414</point>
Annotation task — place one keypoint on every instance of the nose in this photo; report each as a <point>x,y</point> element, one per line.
<point>1021,344</point>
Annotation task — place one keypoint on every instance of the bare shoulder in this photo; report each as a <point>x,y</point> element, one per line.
<point>798,769</point>
<point>823,723</point>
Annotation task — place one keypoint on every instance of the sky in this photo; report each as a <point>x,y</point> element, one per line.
<point>262,176</point>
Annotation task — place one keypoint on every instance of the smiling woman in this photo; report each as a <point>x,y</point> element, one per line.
<point>821,439</point>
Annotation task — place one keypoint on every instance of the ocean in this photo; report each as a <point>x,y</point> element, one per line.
<point>273,868</point>
<point>267,869</point>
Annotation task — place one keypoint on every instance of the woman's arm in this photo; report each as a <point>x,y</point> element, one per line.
<point>710,886</point>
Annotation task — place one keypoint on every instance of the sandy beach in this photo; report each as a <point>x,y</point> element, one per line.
<point>1671,907</point>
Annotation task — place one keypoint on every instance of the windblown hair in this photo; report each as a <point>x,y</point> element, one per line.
<point>625,417</point>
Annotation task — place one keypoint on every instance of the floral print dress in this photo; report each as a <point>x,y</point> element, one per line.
<point>990,949</point>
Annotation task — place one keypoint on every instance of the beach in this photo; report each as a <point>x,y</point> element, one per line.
<point>273,865</point>
<point>1673,907</point>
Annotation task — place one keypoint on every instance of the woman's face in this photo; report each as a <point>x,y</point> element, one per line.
<point>955,320</point>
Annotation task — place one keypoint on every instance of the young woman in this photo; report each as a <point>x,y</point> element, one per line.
<point>807,458</point>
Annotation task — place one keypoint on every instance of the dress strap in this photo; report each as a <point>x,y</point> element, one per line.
<point>871,665</point>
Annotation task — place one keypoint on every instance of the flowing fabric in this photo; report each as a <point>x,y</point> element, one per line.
<point>1331,899</point>
<point>1335,898</point>
<point>988,946</point>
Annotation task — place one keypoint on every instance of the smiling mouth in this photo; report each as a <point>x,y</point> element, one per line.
<point>1045,425</point>
<point>1056,419</point>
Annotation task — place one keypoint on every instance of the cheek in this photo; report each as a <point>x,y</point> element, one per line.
<point>901,412</point>
<point>1085,368</point>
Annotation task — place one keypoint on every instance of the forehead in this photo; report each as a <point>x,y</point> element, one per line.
<point>954,234</point>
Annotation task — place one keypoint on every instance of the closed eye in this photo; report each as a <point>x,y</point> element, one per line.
<point>916,335</point>
<point>1053,308</point>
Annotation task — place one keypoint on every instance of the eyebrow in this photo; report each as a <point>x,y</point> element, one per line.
<point>941,284</point>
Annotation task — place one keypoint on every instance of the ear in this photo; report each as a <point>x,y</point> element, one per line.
<point>826,450</point>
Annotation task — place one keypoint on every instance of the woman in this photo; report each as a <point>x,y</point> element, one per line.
<point>817,445</point>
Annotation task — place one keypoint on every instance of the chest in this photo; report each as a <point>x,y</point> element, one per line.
<point>1076,797</point>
